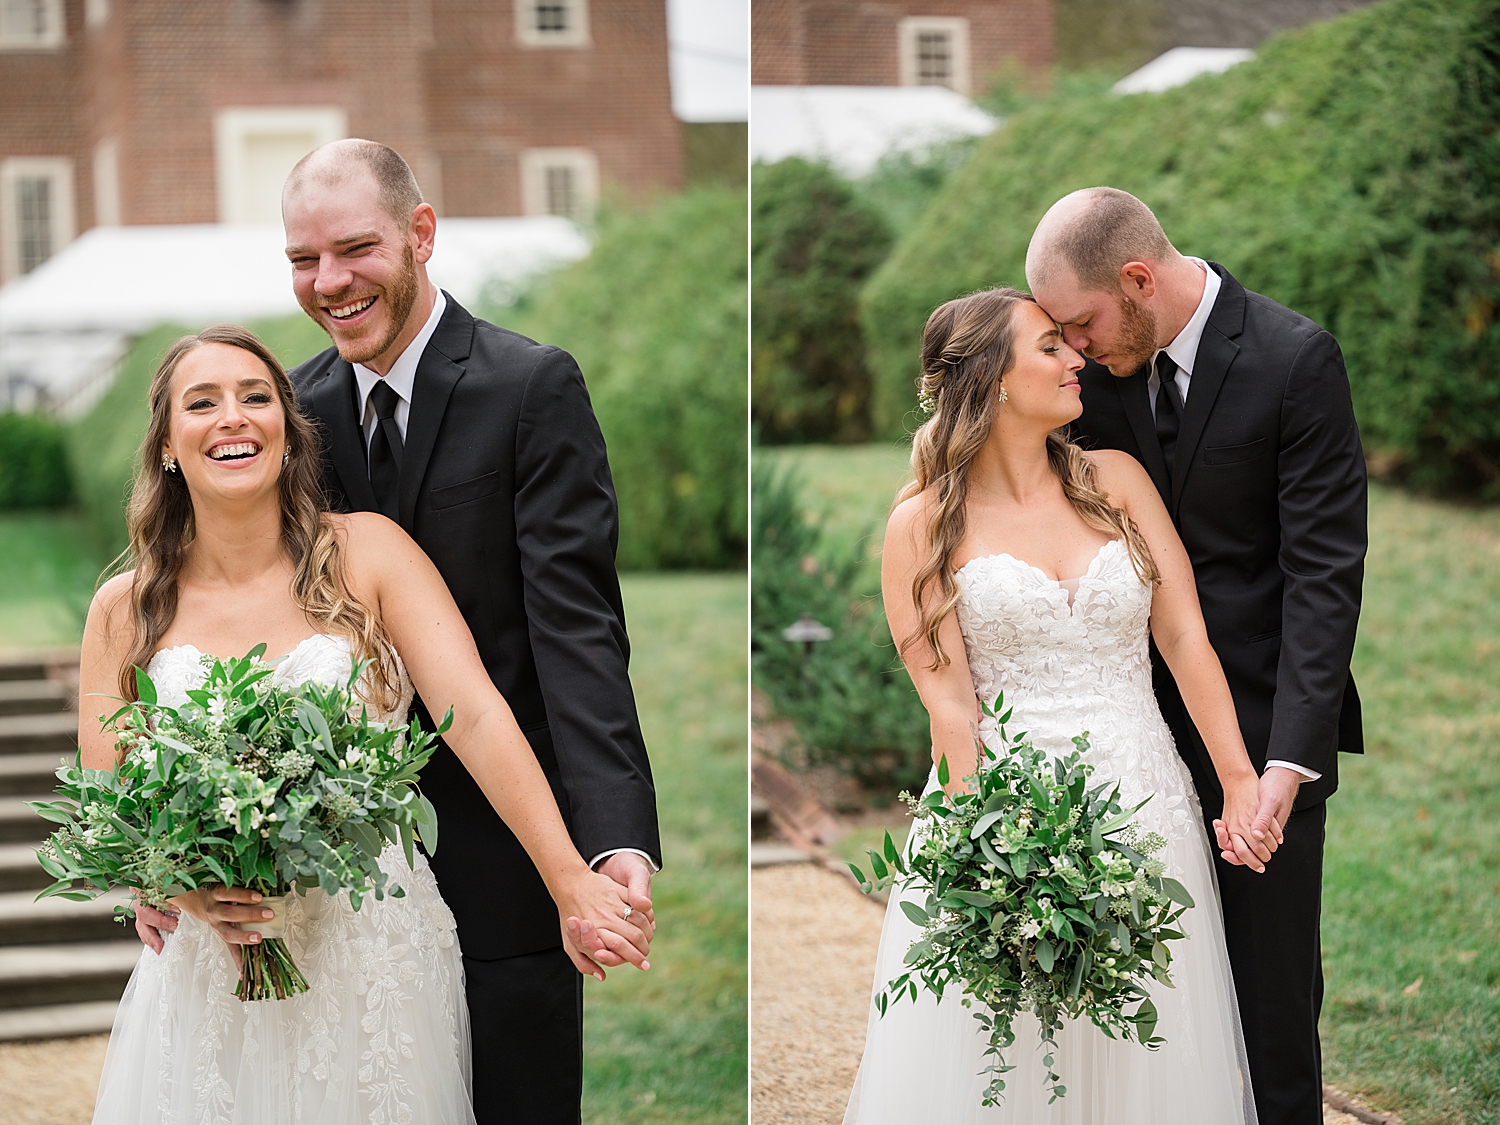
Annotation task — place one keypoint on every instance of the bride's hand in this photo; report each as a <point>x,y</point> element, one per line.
<point>1238,843</point>
<point>591,910</point>
<point>222,907</point>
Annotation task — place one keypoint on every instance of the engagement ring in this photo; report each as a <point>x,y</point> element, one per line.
<point>629,910</point>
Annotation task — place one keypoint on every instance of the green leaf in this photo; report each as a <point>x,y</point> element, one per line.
<point>918,950</point>
<point>1145,1018</point>
<point>914,912</point>
<point>406,845</point>
<point>1046,954</point>
<point>992,855</point>
<point>429,825</point>
<point>942,771</point>
<point>982,825</point>
<point>364,836</point>
<point>1075,985</point>
<point>973,898</point>
<point>877,865</point>
<point>1176,892</point>
<point>144,688</point>
<point>891,853</point>
<point>859,877</point>
<point>1096,839</point>
<point>1160,955</point>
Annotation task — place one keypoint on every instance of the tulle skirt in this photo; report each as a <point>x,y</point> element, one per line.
<point>922,1060</point>
<point>381,1037</point>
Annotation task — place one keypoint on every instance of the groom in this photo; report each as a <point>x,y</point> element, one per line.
<point>1240,411</point>
<point>482,445</point>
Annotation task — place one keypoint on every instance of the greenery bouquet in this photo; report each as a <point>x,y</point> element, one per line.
<point>250,784</point>
<point>1041,895</point>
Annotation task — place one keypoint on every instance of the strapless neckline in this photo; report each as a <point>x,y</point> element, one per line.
<point>295,649</point>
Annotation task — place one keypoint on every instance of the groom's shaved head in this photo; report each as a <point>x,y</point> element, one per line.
<point>332,164</point>
<point>1093,232</point>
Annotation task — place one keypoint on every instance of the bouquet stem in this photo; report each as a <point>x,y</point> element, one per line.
<point>267,972</point>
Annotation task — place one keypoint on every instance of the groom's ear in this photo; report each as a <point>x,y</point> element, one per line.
<point>421,228</point>
<point>1137,280</point>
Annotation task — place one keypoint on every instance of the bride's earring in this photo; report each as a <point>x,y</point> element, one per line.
<point>168,462</point>
<point>1002,397</point>
<point>286,455</point>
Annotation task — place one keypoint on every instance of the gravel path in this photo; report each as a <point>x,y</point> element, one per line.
<point>50,1083</point>
<point>813,944</point>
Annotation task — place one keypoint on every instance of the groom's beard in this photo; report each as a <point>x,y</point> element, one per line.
<point>399,297</point>
<point>1137,342</point>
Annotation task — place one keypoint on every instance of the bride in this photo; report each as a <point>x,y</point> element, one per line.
<point>1017,562</point>
<point>231,549</point>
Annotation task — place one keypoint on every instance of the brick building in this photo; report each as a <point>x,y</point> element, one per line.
<point>186,111</point>
<point>953,43</point>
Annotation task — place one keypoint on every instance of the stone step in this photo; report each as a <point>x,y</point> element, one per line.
<point>24,921</point>
<point>19,823</point>
<point>58,1021</point>
<point>36,975</point>
<point>19,870</point>
<point>33,697</point>
<point>30,773</point>
<point>35,664</point>
<point>37,734</point>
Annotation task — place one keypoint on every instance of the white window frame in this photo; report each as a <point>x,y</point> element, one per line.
<point>955,27</point>
<point>59,169</point>
<point>107,183</point>
<point>233,125</point>
<point>577,34</point>
<point>580,161</point>
<point>49,39</point>
<point>95,13</point>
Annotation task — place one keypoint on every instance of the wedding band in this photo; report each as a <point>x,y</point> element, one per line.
<point>629,910</point>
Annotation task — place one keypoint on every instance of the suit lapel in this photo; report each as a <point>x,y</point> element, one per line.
<point>438,372</point>
<point>336,399</point>
<point>1135,397</point>
<point>1216,352</point>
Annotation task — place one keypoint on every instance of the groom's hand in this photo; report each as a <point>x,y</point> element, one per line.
<point>633,873</point>
<point>1277,792</point>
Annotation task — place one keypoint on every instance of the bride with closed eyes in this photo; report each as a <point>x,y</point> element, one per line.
<point>1018,562</point>
<point>231,548</point>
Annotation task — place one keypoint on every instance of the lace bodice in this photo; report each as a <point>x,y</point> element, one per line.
<point>1067,669</point>
<point>322,658</point>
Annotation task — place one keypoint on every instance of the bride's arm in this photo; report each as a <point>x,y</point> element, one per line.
<point>947,691</point>
<point>389,571</point>
<point>1182,639</point>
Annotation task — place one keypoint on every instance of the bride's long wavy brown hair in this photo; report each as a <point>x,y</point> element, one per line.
<point>159,519</point>
<point>968,346</point>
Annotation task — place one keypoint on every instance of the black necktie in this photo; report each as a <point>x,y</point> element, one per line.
<point>385,449</point>
<point>1168,408</point>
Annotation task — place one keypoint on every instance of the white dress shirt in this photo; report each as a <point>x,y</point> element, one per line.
<point>401,378</point>
<point>1184,352</point>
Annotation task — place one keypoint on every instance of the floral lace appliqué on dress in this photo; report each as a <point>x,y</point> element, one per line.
<point>381,1036</point>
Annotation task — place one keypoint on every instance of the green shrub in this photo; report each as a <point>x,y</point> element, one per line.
<point>1351,171</point>
<point>33,463</point>
<point>852,703</point>
<point>102,444</point>
<point>655,316</point>
<point>814,242</point>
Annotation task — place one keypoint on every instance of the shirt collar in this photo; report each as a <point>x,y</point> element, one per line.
<point>1184,349</point>
<point>403,373</point>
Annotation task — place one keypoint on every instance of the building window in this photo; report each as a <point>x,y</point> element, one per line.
<point>28,25</point>
<point>559,181</point>
<point>256,149</point>
<point>935,52</point>
<point>552,23</point>
<point>36,211</point>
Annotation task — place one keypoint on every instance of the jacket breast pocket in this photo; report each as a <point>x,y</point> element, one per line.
<point>477,488</point>
<point>1233,454</point>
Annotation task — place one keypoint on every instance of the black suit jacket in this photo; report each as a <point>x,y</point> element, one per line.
<point>505,485</point>
<point>1268,494</point>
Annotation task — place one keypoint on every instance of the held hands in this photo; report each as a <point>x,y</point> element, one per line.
<point>1243,835</point>
<point>220,907</point>
<point>596,932</point>
<point>1274,794</point>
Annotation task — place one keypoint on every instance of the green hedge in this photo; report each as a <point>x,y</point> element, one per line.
<point>656,319</point>
<point>852,703</point>
<point>1351,171</point>
<point>814,242</point>
<point>33,463</point>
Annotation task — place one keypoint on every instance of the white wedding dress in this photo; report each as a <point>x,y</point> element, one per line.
<point>1069,665</point>
<point>381,1037</point>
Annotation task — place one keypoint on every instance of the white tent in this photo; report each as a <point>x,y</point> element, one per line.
<point>852,127</point>
<point>63,325</point>
<point>1180,66</point>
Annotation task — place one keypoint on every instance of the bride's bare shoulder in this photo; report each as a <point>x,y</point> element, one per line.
<point>109,617</point>
<point>1118,474</point>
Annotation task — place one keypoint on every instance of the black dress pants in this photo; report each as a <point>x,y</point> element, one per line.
<point>526,1022</point>
<point>1273,931</point>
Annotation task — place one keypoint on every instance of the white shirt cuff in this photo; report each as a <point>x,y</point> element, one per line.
<point>602,856</point>
<point>1307,774</point>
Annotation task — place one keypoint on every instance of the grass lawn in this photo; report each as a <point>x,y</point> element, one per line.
<point>1412,884</point>
<point>665,1046</point>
